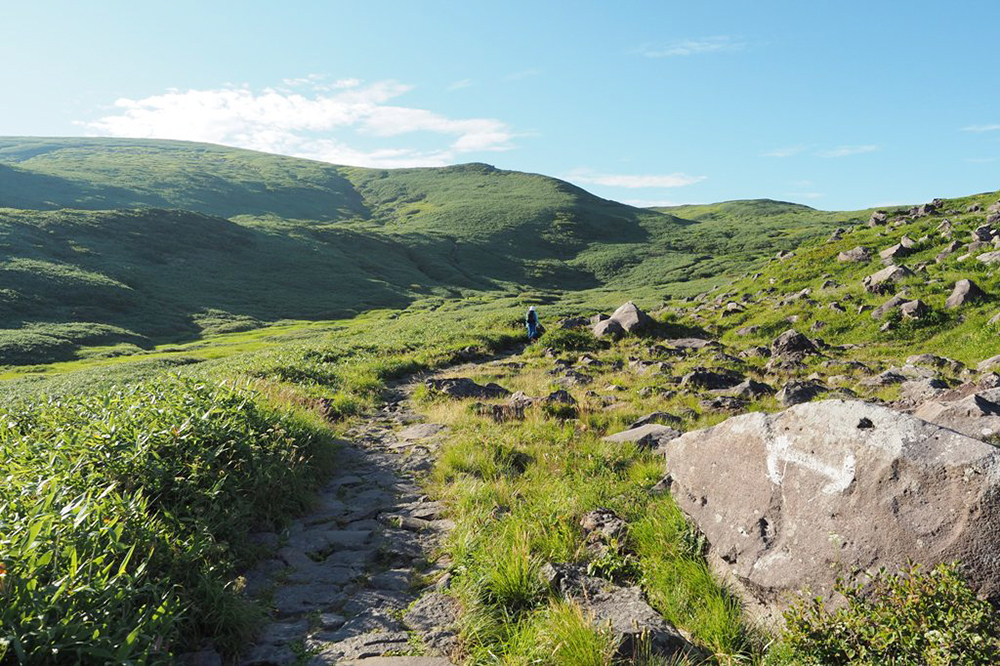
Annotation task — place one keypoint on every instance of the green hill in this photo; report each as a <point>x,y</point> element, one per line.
<point>134,242</point>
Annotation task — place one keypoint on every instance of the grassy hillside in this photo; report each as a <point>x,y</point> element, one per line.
<point>138,242</point>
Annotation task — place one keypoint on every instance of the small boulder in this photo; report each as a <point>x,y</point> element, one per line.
<point>649,436</point>
<point>750,390</point>
<point>883,280</point>
<point>860,254</point>
<point>916,309</point>
<point>965,291</point>
<point>989,258</point>
<point>887,307</point>
<point>662,418</point>
<point>792,344</point>
<point>878,218</point>
<point>711,379</point>
<point>797,392</point>
<point>608,328</point>
<point>897,251</point>
<point>463,387</point>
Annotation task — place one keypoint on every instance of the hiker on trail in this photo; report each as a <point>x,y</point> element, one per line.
<point>531,321</point>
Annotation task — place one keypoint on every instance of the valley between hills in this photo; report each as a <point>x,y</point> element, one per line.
<point>265,410</point>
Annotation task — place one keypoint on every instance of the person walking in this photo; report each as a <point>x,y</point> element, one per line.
<point>531,321</point>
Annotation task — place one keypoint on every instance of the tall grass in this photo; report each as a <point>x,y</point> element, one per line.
<point>124,517</point>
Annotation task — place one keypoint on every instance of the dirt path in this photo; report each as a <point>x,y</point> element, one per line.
<point>357,577</point>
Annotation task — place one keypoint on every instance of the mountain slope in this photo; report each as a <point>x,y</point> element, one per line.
<point>140,241</point>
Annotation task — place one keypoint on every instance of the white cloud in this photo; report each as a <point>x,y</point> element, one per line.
<point>688,47</point>
<point>980,160</point>
<point>845,151</point>
<point>981,128</point>
<point>630,181</point>
<point>786,151</point>
<point>458,85</point>
<point>649,203</point>
<point>317,124</point>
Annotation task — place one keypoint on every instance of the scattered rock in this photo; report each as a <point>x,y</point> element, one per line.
<point>989,258</point>
<point>711,379</point>
<point>662,418</point>
<point>608,328</point>
<point>649,436</point>
<point>897,251</point>
<point>877,218</point>
<point>887,307</point>
<point>882,281</point>
<point>914,309</point>
<point>750,389</point>
<point>604,525</point>
<point>860,254</point>
<point>965,291</point>
<point>797,391</point>
<point>977,415</point>
<point>463,387</point>
<point>792,344</point>
<point>724,403</point>
<point>634,624</point>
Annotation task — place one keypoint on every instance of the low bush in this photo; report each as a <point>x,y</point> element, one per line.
<point>568,339</point>
<point>913,617</point>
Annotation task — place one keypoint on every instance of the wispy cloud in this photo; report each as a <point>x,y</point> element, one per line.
<point>458,85</point>
<point>523,74</point>
<point>633,181</point>
<point>980,160</point>
<point>981,128</point>
<point>786,151</point>
<point>320,123</point>
<point>846,151</point>
<point>649,203</point>
<point>688,47</point>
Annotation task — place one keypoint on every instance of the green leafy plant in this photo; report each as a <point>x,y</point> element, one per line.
<point>912,617</point>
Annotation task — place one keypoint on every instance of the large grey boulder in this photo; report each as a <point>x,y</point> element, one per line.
<point>631,318</point>
<point>789,501</point>
<point>965,291</point>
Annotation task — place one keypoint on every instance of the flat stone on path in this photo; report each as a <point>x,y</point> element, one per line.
<point>420,431</point>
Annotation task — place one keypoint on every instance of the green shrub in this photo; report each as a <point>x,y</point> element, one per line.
<point>567,339</point>
<point>124,518</point>
<point>913,617</point>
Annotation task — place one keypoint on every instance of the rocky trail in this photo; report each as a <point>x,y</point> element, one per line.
<point>358,577</point>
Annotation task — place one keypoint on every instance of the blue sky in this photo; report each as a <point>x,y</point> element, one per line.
<point>833,104</point>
